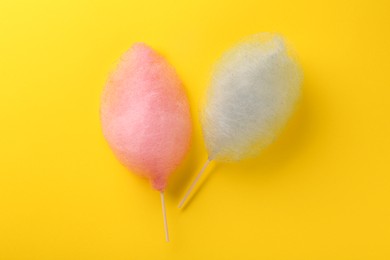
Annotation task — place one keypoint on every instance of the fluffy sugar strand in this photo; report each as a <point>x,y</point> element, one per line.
<point>145,115</point>
<point>252,94</point>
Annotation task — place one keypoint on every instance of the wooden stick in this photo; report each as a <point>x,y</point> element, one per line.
<point>164,216</point>
<point>194,183</point>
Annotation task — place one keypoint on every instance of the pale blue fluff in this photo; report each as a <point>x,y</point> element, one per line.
<point>254,89</point>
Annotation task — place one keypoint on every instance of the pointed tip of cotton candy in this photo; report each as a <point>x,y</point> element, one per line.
<point>254,89</point>
<point>145,115</point>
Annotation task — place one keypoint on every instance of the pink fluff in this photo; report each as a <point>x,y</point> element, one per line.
<point>145,115</point>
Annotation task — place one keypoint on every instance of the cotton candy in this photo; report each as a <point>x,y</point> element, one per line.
<point>253,92</point>
<point>145,115</point>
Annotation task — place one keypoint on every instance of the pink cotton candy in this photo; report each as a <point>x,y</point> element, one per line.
<point>145,115</point>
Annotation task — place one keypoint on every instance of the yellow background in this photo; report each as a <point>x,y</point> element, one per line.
<point>320,192</point>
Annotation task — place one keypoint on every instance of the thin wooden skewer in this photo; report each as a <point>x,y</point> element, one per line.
<point>194,183</point>
<point>164,216</point>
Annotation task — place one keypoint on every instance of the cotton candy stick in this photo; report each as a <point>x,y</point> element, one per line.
<point>145,117</point>
<point>254,90</point>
